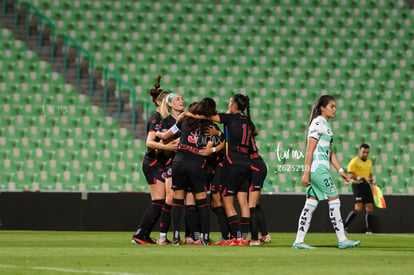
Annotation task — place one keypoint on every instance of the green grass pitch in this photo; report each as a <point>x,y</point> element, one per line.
<point>54,252</point>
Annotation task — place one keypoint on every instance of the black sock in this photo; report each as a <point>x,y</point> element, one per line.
<point>254,230</point>
<point>149,219</point>
<point>204,213</point>
<point>222,222</point>
<point>234,225</point>
<point>177,214</point>
<point>191,220</point>
<point>165,220</point>
<point>351,216</point>
<point>244,226</point>
<point>369,217</point>
<point>261,221</point>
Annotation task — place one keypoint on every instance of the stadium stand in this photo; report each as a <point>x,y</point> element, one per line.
<point>282,53</point>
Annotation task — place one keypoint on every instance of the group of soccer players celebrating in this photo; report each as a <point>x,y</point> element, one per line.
<point>188,155</point>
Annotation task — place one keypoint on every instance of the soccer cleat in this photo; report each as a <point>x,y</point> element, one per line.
<point>220,242</point>
<point>177,242</point>
<point>369,232</point>
<point>192,242</point>
<point>265,239</point>
<point>232,242</point>
<point>150,240</point>
<point>302,246</point>
<point>164,242</point>
<point>348,244</point>
<point>243,242</point>
<point>136,240</point>
<point>188,240</point>
<point>254,243</point>
<point>208,242</point>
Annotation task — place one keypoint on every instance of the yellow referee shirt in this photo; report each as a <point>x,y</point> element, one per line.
<point>360,168</point>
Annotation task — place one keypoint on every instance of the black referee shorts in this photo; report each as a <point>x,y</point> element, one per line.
<point>362,193</point>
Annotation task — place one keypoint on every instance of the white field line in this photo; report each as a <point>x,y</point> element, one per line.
<point>65,270</point>
<point>397,235</point>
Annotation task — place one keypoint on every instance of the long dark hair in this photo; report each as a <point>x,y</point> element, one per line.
<point>157,93</point>
<point>206,107</point>
<point>322,101</point>
<point>243,103</point>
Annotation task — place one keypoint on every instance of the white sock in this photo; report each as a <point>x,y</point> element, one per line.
<point>336,219</point>
<point>305,219</point>
<point>163,236</point>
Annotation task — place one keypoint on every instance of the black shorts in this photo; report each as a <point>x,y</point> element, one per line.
<point>216,182</point>
<point>236,178</point>
<point>362,193</point>
<point>153,171</point>
<point>259,173</point>
<point>189,176</point>
<point>168,170</point>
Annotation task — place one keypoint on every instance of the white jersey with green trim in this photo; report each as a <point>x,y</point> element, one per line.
<point>322,132</point>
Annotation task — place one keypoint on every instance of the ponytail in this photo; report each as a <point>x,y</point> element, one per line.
<point>316,110</point>
<point>157,93</point>
<point>248,107</point>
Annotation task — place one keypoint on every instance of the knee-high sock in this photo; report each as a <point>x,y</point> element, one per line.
<point>234,225</point>
<point>254,228</point>
<point>351,216</point>
<point>305,219</point>
<point>244,227</point>
<point>261,221</point>
<point>204,213</point>
<point>191,220</point>
<point>336,219</point>
<point>222,222</point>
<point>165,220</point>
<point>151,215</point>
<point>177,214</point>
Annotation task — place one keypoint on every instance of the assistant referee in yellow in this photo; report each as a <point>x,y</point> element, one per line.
<point>360,171</point>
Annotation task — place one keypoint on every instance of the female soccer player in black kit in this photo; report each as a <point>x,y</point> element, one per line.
<point>171,107</point>
<point>237,165</point>
<point>189,168</point>
<point>153,168</point>
<point>259,172</point>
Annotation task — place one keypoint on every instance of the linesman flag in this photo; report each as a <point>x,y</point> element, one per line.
<point>378,197</point>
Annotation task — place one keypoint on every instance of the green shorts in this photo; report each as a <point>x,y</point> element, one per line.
<point>321,185</point>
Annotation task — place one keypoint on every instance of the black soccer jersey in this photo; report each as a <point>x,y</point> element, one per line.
<point>153,124</point>
<point>238,134</point>
<point>190,142</point>
<point>215,158</point>
<point>166,124</point>
<point>253,150</point>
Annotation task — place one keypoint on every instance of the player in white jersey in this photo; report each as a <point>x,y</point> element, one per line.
<point>317,179</point>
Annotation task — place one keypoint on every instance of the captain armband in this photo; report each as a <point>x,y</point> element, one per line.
<point>174,129</point>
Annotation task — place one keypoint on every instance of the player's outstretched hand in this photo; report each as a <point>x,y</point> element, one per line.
<point>305,180</point>
<point>345,177</point>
